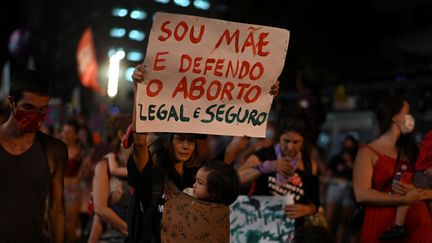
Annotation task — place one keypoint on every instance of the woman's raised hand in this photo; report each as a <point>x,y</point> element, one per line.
<point>138,74</point>
<point>274,89</point>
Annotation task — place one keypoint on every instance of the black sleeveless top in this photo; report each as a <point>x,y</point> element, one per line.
<point>24,183</point>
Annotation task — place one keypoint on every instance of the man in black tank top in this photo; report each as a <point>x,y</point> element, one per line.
<point>31,166</point>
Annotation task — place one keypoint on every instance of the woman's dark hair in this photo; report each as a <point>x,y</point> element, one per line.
<point>165,151</point>
<point>30,81</point>
<point>74,124</point>
<point>385,111</point>
<point>387,108</point>
<point>223,183</point>
<point>295,120</point>
<point>352,150</point>
<point>118,123</point>
<point>89,137</point>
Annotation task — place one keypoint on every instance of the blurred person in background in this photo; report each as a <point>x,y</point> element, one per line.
<point>375,166</point>
<point>286,168</point>
<point>339,194</point>
<point>86,140</point>
<point>78,160</point>
<point>111,192</point>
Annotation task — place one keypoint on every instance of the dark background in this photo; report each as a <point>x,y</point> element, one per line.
<point>369,46</point>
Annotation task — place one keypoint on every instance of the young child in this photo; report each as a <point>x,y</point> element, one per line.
<point>422,179</point>
<point>216,182</point>
<point>114,167</point>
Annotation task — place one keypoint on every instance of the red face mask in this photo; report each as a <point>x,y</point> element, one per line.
<point>29,121</point>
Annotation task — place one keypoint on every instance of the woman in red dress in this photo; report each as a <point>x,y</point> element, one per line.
<point>376,163</point>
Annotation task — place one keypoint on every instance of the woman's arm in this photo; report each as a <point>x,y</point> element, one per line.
<point>237,145</point>
<point>253,168</point>
<point>140,154</point>
<point>298,210</point>
<point>100,198</point>
<point>96,230</point>
<point>248,171</point>
<point>362,181</point>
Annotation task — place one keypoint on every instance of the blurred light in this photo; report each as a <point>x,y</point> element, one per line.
<point>113,50</point>
<point>113,72</point>
<point>162,1</point>
<point>128,74</point>
<point>117,32</point>
<point>135,56</point>
<point>120,54</point>
<point>119,12</point>
<point>115,110</point>
<point>138,14</point>
<point>136,35</point>
<point>202,4</point>
<point>183,3</point>
<point>323,139</point>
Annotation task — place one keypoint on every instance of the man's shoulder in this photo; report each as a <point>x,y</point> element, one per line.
<point>52,142</point>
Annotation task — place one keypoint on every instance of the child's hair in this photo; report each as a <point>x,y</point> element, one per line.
<point>223,183</point>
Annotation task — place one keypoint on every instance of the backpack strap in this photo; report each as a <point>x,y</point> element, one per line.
<point>48,154</point>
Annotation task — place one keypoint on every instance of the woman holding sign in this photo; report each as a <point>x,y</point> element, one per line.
<point>158,170</point>
<point>286,169</point>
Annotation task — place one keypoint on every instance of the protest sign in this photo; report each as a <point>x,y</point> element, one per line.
<point>260,219</point>
<point>209,76</point>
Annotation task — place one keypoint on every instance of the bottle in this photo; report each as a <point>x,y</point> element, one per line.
<point>397,177</point>
<point>289,199</point>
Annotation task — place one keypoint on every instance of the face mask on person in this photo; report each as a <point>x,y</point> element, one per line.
<point>29,121</point>
<point>408,124</point>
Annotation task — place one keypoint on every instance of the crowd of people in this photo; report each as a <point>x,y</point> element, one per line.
<point>65,185</point>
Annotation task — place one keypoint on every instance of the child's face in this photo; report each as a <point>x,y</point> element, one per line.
<point>200,186</point>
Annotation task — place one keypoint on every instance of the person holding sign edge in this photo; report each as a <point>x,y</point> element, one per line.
<point>174,155</point>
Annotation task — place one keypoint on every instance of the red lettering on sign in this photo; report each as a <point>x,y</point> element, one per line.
<point>165,30</point>
<point>158,84</point>
<point>157,60</point>
<point>253,41</point>
<point>181,87</point>
<point>178,35</point>
<point>218,86</point>
<point>229,39</point>
<point>199,88</point>
<point>180,32</point>
<point>185,58</point>
<point>197,85</point>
